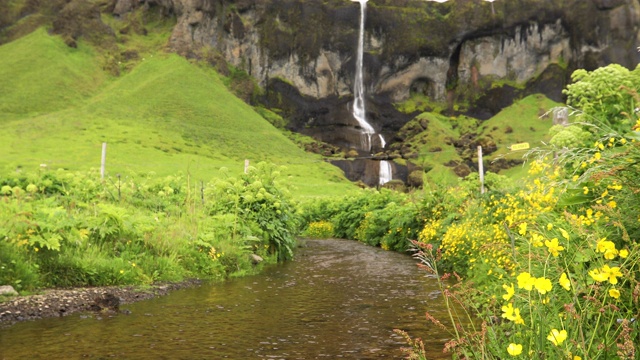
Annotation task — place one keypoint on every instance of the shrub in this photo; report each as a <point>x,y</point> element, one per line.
<point>319,230</point>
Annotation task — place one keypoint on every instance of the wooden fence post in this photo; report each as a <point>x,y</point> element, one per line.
<point>481,169</point>
<point>103,160</point>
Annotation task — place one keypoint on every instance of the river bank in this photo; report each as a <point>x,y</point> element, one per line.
<point>62,302</point>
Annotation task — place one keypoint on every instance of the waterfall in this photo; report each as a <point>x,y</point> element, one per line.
<point>359,111</point>
<point>382,142</point>
<point>385,172</point>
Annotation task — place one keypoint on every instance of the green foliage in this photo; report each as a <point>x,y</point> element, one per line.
<point>273,118</point>
<point>606,96</point>
<point>382,218</point>
<point>553,260</point>
<point>319,230</point>
<point>72,229</point>
<point>15,268</point>
<point>571,136</point>
<point>265,206</point>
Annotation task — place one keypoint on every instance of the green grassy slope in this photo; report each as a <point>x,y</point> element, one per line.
<point>522,122</point>
<point>166,115</point>
<point>518,123</point>
<point>40,74</point>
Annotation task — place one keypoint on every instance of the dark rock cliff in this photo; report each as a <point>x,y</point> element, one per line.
<point>472,51</point>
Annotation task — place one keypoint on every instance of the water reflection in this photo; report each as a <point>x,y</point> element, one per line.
<point>338,299</point>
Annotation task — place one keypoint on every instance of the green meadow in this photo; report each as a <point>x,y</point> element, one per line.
<point>165,115</point>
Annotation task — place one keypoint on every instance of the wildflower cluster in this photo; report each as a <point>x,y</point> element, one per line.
<point>319,229</point>
<point>564,284</point>
<point>570,288</point>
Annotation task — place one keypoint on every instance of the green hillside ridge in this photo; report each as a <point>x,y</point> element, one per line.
<point>523,121</point>
<point>167,115</point>
<point>431,137</point>
<point>40,74</point>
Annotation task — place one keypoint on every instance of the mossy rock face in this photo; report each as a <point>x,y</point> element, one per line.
<point>396,185</point>
<point>488,145</point>
<point>415,179</point>
<point>462,170</point>
<point>19,18</point>
<point>351,154</point>
<point>82,19</point>
<point>497,165</point>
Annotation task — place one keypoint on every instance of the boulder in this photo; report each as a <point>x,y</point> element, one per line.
<point>255,259</point>
<point>8,290</point>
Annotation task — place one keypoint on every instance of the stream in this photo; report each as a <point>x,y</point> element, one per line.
<point>338,299</point>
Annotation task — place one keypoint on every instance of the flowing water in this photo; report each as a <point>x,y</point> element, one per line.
<point>338,299</point>
<point>385,172</point>
<point>359,111</point>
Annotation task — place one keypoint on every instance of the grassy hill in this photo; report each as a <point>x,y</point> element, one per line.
<point>57,106</point>
<point>440,142</point>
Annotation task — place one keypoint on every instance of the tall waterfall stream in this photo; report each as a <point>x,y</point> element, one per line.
<point>359,110</point>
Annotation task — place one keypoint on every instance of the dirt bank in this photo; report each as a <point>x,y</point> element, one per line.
<point>62,302</point>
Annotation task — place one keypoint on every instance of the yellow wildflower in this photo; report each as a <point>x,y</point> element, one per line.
<point>525,281</point>
<point>565,282</point>
<point>522,229</point>
<point>598,275</point>
<point>536,240</point>
<point>510,289</point>
<point>606,273</point>
<point>557,337</point>
<point>614,293</point>
<point>607,247</point>
<point>511,313</point>
<point>623,253</point>
<point>554,247</point>
<point>615,186</point>
<point>543,285</point>
<point>514,349</point>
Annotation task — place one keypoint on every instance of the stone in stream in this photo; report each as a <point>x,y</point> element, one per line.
<point>255,259</point>
<point>106,302</point>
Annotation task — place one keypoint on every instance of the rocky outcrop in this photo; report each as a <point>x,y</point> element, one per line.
<point>470,52</point>
<point>411,46</point>
<point>519,56</point>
